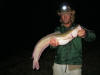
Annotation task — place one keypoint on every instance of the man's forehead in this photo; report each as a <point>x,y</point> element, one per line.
<point>65,13</point>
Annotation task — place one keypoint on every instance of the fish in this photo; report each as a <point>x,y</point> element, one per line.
<point>43,43</point>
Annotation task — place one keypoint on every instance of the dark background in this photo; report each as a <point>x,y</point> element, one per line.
<point>24,23</point>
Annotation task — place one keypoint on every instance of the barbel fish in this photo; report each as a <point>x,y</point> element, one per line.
<point>42,44</point>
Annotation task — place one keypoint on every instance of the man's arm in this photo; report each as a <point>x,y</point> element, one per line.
<point>89,36</point>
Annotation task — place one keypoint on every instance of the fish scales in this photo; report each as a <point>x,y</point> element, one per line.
<point>62,38</point>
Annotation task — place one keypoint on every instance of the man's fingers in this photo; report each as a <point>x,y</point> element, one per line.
<point>53,42</point>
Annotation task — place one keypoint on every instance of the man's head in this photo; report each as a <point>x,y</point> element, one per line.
<point>66,13</point>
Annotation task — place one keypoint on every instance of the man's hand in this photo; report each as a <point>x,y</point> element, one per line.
<point>54,42</point>
<point>81,33</point>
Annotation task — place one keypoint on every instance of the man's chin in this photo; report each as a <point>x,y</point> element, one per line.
<point>65,22</point>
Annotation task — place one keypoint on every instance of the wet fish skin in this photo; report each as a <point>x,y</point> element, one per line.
<point>45,42</point>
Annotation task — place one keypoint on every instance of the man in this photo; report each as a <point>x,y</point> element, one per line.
<point>68,59</point>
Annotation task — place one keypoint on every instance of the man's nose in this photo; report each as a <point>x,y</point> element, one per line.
<point>65,16</point>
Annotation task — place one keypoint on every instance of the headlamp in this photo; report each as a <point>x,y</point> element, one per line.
<point>64,8</point>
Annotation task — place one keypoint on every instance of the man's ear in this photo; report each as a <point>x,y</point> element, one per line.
<point>59,13</point>
<point>73,12</point>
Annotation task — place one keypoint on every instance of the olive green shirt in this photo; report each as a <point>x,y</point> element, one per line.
<point>71,53</point>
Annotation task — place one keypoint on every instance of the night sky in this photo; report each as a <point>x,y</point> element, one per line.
<point>24,23</point>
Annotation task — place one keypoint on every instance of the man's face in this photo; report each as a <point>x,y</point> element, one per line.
<point>66,18</point>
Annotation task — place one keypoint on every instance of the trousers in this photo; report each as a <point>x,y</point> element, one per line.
<point>59,69</point>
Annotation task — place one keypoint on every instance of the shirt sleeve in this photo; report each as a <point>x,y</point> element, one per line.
<point>90,36</point>
<point>57,28</point>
